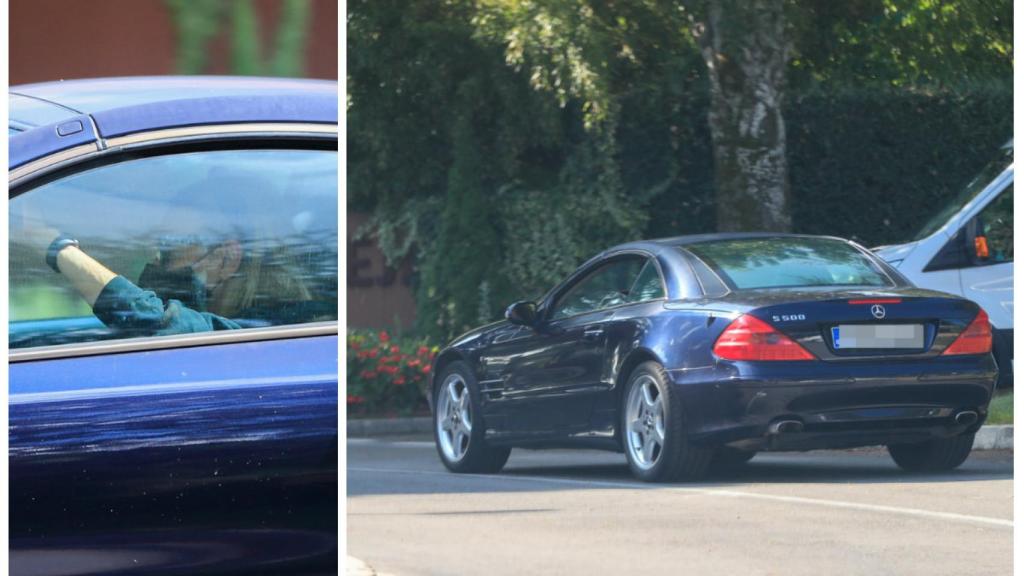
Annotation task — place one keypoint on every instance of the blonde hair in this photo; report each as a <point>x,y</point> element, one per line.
<point>265,279</point>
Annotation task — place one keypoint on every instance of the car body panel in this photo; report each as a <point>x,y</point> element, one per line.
<point>27,112</point>
<point>115,107</point>
<point>181,452</point>
<point>306,108</point>
<point>898,396</point>
<point>45,140</point>
<point>92,95</point>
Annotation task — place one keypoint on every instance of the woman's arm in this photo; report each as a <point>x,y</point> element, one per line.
<point>120,304</point>
<point>88,276</point>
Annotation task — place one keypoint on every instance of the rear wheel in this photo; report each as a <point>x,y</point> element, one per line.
<point>458,430</point>
<point>653,430</point>
<point>933,455</point>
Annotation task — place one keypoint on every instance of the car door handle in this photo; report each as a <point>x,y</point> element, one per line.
<point>593,333</point>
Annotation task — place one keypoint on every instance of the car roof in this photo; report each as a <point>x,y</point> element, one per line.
<point>51,116</point>
<point>659,244</point>
<point>91,95</point>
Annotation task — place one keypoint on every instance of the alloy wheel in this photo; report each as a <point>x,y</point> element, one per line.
<point>645,422</point>
<point>454,421</point>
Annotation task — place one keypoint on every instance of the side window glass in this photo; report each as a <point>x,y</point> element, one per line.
<point>648,285</point>
<point>995,224</point>
<point>224,239</point>
<point>607,286</point>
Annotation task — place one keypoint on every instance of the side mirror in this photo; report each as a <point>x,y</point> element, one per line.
<point>523,313</point>
<point>981,248</point>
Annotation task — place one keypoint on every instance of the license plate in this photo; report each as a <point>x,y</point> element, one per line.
<point>877,336</point>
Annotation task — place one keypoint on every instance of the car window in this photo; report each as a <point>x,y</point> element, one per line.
<point>276,209</point>
<point>607,286</point>
<point>995,223</point>
<point>980,182</point>
<point>648,284</point>
<point>780,262</point>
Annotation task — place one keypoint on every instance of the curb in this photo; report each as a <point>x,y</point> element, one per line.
<point>995,437</point>
<point>356,567</point>
<point>388,426</point>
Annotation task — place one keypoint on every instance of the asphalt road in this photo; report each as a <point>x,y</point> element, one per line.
<point>580,512</point>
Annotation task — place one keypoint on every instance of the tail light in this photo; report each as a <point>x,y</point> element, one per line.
<point>975,339</point>
<point>748,338</point>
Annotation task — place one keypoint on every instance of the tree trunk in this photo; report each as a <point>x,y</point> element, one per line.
<point>746,51</point>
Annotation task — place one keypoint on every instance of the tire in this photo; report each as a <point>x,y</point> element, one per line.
<point>933,455</point>
<point>726,458</point>
<point>675,458</point>
<point>457,421</point>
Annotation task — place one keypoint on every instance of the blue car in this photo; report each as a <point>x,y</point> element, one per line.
<point>697,352</point>
<point>173,326</point>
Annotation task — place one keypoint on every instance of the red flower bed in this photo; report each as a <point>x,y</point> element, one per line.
<point>387,375</point>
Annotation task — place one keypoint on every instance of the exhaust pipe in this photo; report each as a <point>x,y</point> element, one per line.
<point>966,418</point>
<point>786,427</point>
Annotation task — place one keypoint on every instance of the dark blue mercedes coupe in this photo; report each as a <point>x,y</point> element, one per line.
<point>697,352</point>
<point>183,419</point>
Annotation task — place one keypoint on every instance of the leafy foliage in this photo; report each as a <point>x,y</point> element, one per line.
<point>902,43</point>
<point>199,21</point>
<point>504,141</point>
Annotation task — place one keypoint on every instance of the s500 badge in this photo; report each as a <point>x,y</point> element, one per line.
<point>788,317</point>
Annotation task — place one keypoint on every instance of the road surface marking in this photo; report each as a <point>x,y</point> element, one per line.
<point>713,492</point>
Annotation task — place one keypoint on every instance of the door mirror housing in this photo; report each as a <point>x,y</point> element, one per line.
<point>522,313</point>
<point>981,248</point>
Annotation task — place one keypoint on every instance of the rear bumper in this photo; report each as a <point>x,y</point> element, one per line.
<point>837,405</point>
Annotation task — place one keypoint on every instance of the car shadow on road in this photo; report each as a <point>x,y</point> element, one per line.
<point>778,468</point>
<point>531,471</point>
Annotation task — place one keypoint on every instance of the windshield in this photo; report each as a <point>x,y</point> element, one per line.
<point>987,175</point>
<point>782,262</point>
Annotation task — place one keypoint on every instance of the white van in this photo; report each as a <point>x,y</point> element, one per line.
<point>966,248</point>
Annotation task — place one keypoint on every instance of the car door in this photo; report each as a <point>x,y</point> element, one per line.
<point>192,453</point>
<point>553,372</point>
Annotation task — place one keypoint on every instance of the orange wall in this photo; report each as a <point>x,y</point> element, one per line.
<point>63,39</point>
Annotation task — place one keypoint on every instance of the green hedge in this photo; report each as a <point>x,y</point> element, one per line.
<point>873,166</point>
<point>869,165</point>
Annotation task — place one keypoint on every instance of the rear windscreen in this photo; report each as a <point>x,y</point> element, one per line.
<point>752,263</point>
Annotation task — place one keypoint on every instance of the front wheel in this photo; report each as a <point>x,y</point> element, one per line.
<point>458,429</point>
<point>933,455</point>
<point>653,430</point>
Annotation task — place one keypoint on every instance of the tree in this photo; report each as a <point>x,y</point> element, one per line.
<point>567,126</point>
<point>745,48</point>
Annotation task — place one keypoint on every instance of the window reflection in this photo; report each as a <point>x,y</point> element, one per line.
<point>256,229</point>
